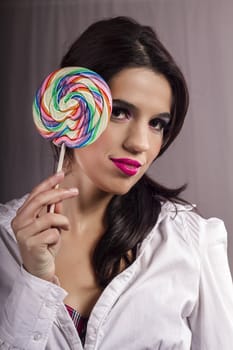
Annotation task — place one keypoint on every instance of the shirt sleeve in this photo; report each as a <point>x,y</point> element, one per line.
<point>27,316</point>
<point>211,321</point>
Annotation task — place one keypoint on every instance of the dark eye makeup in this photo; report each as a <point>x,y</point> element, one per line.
<point>124,110</point>
<point>161,122</point>
<point>120,112</point>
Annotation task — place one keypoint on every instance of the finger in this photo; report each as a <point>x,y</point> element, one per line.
<point>34,207</point>
<point>38,250</point>
<point>49,241</point>
<point>47,184</point>
<point>44,239</point>
<point>43,211</point>
<point>45,222</point>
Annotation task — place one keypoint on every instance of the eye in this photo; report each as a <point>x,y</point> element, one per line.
<point>159,124</point>
<point>120,113</point>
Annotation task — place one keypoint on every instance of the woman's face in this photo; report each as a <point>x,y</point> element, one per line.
<point>134,136</point>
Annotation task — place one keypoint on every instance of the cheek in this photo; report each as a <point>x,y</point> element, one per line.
<point>94,151</point>
<point>103,142</point>
<point>155,147</point>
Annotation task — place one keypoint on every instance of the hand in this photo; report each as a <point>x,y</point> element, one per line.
<point>37,231</point>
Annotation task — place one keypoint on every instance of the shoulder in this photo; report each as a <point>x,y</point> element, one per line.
<point>183,242</point>
<point>197,231</point>
<point>8,212</point>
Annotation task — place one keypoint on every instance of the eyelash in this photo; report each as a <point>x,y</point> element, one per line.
<point>154,123</point>
<point>116,111</point>
<point>163,125</point>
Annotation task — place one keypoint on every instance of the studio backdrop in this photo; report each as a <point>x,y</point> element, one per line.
<point>36,33</point>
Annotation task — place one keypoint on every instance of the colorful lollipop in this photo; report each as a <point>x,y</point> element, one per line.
<point>72,108</point>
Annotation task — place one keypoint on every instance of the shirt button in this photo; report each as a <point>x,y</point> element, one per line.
<point>37,336</point>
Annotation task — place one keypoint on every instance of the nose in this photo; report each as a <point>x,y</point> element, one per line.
<point>137,138</point>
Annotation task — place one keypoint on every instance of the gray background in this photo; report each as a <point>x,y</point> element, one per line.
<point>34,34</point>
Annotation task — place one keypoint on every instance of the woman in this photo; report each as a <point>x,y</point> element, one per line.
<point>133,265</point>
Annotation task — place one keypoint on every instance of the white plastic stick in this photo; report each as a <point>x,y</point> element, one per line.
<point>59,168</point>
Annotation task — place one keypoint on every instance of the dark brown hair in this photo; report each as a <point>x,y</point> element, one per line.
<point>107,47</point>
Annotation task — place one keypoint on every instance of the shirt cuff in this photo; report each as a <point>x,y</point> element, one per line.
<point>30,310</point>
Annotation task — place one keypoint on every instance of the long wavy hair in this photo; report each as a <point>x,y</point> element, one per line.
<point>107,47</point>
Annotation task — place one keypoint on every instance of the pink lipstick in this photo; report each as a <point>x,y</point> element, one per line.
<point>127,166</point>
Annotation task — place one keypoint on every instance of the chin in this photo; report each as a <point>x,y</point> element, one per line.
<point>121,192</point>
<point>117,186</point>
<point>120,188</point>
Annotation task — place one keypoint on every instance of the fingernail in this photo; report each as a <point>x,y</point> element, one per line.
<point>73,190</point>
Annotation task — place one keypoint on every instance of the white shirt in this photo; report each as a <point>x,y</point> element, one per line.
<point>177,295</point>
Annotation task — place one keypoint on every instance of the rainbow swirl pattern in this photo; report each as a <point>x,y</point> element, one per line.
<point>72,106</point>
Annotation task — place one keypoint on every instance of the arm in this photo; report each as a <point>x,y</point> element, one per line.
<point>30,299</point>
<point>211,321</point>
<point>28,314</point>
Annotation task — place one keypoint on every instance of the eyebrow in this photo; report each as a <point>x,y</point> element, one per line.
<point>132,107</point>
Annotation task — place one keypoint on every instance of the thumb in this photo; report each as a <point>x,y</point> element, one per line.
<point>58,208</point>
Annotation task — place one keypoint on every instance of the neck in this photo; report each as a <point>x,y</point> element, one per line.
<point>85,212</point>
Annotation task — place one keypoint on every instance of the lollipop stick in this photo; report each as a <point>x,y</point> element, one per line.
<point>59,168</point>
<point>61,157</point>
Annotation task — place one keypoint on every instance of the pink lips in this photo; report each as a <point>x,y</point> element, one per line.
<point>127,166</point>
